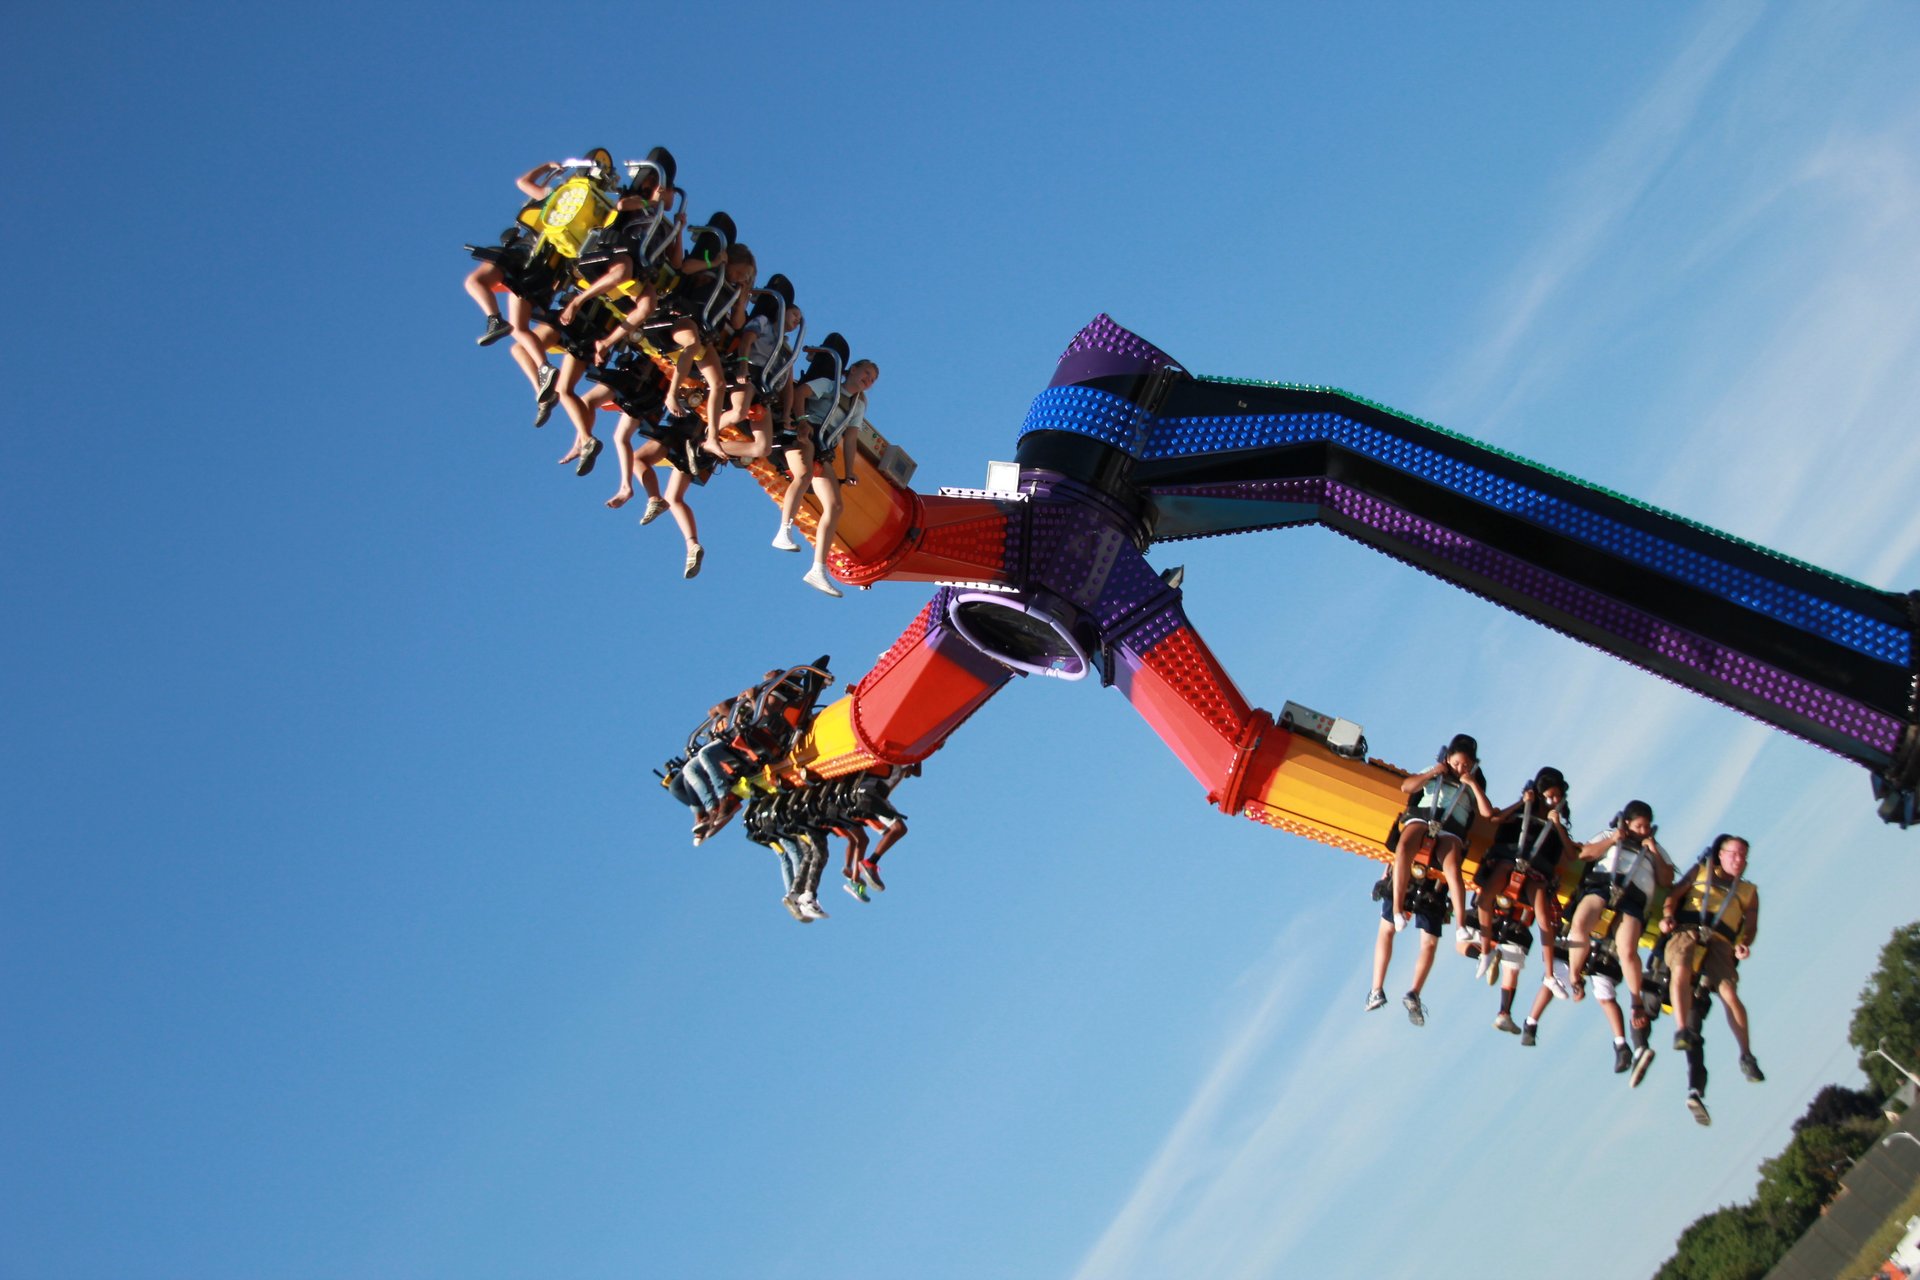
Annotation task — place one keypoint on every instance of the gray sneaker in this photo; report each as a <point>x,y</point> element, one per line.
<point>1529,1034</point>
<point>1751,1069</point>
<point>1642,1059</point>
<point>1622,1059</point>
<point>1416,1012</point>
<point>1504,1022</point>
<point>1698,1105</point>
<point>1376,999</point>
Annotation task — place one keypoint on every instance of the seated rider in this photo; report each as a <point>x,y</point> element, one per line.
<point>1441,805</point>
<point>869,803</point>
<point>1531,839</point>
<point>1428,920</point>
<point>613,255</point>
<point>1629,867</point>
<point>529,284</point>
<point>1711,919</point>
<point>757,348</point>
<point>827,432</point>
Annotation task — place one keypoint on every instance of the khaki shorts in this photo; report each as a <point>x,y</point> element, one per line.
<point>1717,964</point>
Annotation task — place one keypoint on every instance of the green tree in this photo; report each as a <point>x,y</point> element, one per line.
<point>1890,1008</point>
<point>1733,1243</point>
<point>1796,1184</point>
<point>1836,1104</point>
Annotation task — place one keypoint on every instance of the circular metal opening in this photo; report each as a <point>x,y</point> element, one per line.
<point>1019,634</point>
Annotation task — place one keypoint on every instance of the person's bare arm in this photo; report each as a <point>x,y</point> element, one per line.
<point>1413,782</point>
<point>1594,850</point>
<point>1749,930</point>
<point>532,183</point>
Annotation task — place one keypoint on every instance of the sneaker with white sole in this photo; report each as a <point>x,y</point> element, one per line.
<point>857,888</point>
<point>811,906</point>
<point>1416,1012</point>
<point>1504,1022</point>
<point>817,579</point>
<point>656,507</point>
<point>1552,983</point>
<point>547,376</point>
<point>1376,999</point>
<point>783,540</point>
<point>1489,958</point>
<point>1698,1105</point>
<point>695,554</point>
<point>1642,1059</point>
<point>496,330</point>
<point>792,905</point>
<point>1530,1033</point>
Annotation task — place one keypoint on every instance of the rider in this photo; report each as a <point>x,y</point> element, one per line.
<point>1531,838</point>
<point>528,284</point>
<point>1442,801</point>
<point>828,428</point>
<point>1711,919</point>
<point>1428,921</point>
<point>1629,867</point>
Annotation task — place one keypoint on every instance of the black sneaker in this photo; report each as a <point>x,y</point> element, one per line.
<point>1682,1040</point>
<point>543,411</point>
<point>1622,1059</point>
<point>1529,1031</point>
<point>1416,1012</point>
<point>1751,1069</point>
<point>1642,1059</point>
<point>588,456</point>
<point>1698,1105</point>
<point>1376,999</point>
<point>548,375</point>
<point>496,330</point>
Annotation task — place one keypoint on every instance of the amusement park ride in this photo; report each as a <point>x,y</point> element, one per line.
<point>1045,573</point>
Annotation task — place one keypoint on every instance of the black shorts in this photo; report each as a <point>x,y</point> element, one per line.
<point>1425,923</point>
<point>1633,899</point>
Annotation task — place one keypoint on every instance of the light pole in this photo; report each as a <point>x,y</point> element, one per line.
<point>1882,1051</point>
<point>1902,1133</point>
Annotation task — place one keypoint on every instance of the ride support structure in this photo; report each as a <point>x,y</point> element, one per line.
<point>1124,449</point>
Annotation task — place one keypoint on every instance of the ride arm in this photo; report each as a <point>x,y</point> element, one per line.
<point>922,689</point>
<point>1815,654</point>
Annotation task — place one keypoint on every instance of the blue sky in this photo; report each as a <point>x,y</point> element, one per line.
<point>345,933</point>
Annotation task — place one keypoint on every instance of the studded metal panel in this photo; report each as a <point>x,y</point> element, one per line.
<point>1178,437</point>
<point>1102,334</point>
<point>1634,626</point>
<point>1086,411</point>
<point>1171,650</point>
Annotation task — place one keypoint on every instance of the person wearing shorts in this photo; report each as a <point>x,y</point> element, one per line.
<point>1442,801</point>
<point>1428,922</point>
<point>1710,922</point>
<point>1629,866</point>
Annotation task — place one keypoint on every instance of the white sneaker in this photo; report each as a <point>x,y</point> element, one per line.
<point>783,540</point>
<point>817,579</point>
<point>1400,922</point>
<point>1489,957</point>
<point>1462,934</point>
<point>811,906</point>
<point>1559,988</point>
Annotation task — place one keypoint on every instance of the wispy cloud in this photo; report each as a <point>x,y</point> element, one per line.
<point>1598,196</point>
<point>1320,1133</point>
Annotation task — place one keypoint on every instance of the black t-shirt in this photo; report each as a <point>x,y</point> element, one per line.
<point>1543,845</point>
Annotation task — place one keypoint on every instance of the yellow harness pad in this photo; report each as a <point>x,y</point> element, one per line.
<point>564,219</point>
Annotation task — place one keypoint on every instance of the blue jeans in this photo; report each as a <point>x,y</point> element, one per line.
<point>704,774</point>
